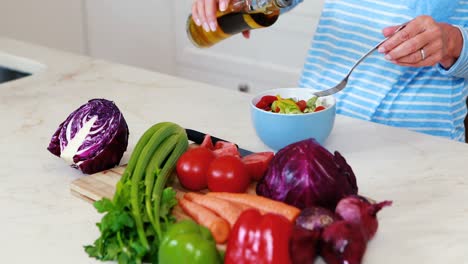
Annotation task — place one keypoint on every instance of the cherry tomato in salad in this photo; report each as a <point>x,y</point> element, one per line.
<point>319,108</point>
<point>227,174</point>
<point>302,104</point>
<point>192,168</point>
<point>265,102</point>
<point>277,104</point>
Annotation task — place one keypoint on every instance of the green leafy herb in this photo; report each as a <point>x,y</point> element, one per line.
<point>119,238</point>
<point>168,201</point>
<point>131,231</point>
<point>311,104</point>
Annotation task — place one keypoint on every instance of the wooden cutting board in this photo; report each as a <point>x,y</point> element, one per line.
<point>96,186</point>
<point>102,184</point>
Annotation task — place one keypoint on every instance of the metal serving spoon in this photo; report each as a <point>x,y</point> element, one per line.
<point>340,86</point>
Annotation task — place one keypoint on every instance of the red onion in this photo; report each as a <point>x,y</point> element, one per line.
<point>313,218</point>
<point>358,210</point>
<point>343,242</point>
<point>303,245</point>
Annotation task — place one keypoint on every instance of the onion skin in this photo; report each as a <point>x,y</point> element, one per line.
<point>303,245</point>
<point>358,210</point>
<point>316,218</point>
<point>343,242</point>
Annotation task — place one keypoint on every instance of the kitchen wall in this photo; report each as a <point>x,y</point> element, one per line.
<point>139,32</point>
<point>151,34</point>
<point>53,23</point>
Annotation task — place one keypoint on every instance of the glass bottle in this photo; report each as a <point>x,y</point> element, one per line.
<point>239,16</point>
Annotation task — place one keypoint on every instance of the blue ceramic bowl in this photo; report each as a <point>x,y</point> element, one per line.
<point>279,130</point>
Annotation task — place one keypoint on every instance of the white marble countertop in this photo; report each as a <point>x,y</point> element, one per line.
<point>41,222</point>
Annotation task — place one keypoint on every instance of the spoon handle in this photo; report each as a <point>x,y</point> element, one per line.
<point>375,47</point>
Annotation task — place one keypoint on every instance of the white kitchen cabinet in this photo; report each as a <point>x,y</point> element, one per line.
<point>271,58</point>
<point>53,23</point>
<point>139,33</point>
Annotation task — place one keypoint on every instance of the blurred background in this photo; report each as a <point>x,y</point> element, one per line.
<point>151,34</point>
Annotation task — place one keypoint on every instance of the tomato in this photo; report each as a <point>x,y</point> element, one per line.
<point>227,174</point>
<point>302,105</point>
<point>223,144</point>
<point>319,108</point>
<point>257,164</point>
<point>207,143</point>
<point>266,101</point>
<point>262,105</point>
<point>223,148</point>
<point>192,167</point>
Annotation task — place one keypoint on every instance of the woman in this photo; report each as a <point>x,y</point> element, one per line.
<point>418,79</point>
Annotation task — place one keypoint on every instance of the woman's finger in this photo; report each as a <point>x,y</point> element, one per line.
<point>412,45</point>
<point>223,4</point>
<point>388,31</point>
<point>428,55</point>
<point>412,29</point>
<point>195,15</point>
<point>201,15</point>
<point>210,12</point>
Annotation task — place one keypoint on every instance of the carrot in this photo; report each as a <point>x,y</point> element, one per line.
<point>243,206</point>
<point>259,202</point>
<point>219,227</point>
<point>225,209</point>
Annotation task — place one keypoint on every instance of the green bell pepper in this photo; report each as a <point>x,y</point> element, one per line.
<point>188,242</point>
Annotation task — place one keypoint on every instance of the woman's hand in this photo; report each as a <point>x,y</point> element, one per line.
<point>423,42</point>
<point>204,14</point>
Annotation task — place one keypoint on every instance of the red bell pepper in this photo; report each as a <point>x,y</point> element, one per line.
<point>257,238</point>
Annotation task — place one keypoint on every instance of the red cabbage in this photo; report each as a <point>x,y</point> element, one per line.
<point>305,174</point>
<point>93,138</point>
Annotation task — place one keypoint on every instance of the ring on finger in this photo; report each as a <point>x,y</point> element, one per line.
<point>423,54</point>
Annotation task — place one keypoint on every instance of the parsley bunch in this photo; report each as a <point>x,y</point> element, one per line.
<point>119,238</point>
<point>140,211</point>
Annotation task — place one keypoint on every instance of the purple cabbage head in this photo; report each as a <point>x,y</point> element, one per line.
<point>305,174</point>
<point>93,138</point>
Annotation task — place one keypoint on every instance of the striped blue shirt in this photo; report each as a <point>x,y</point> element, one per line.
<point>428,99</point>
